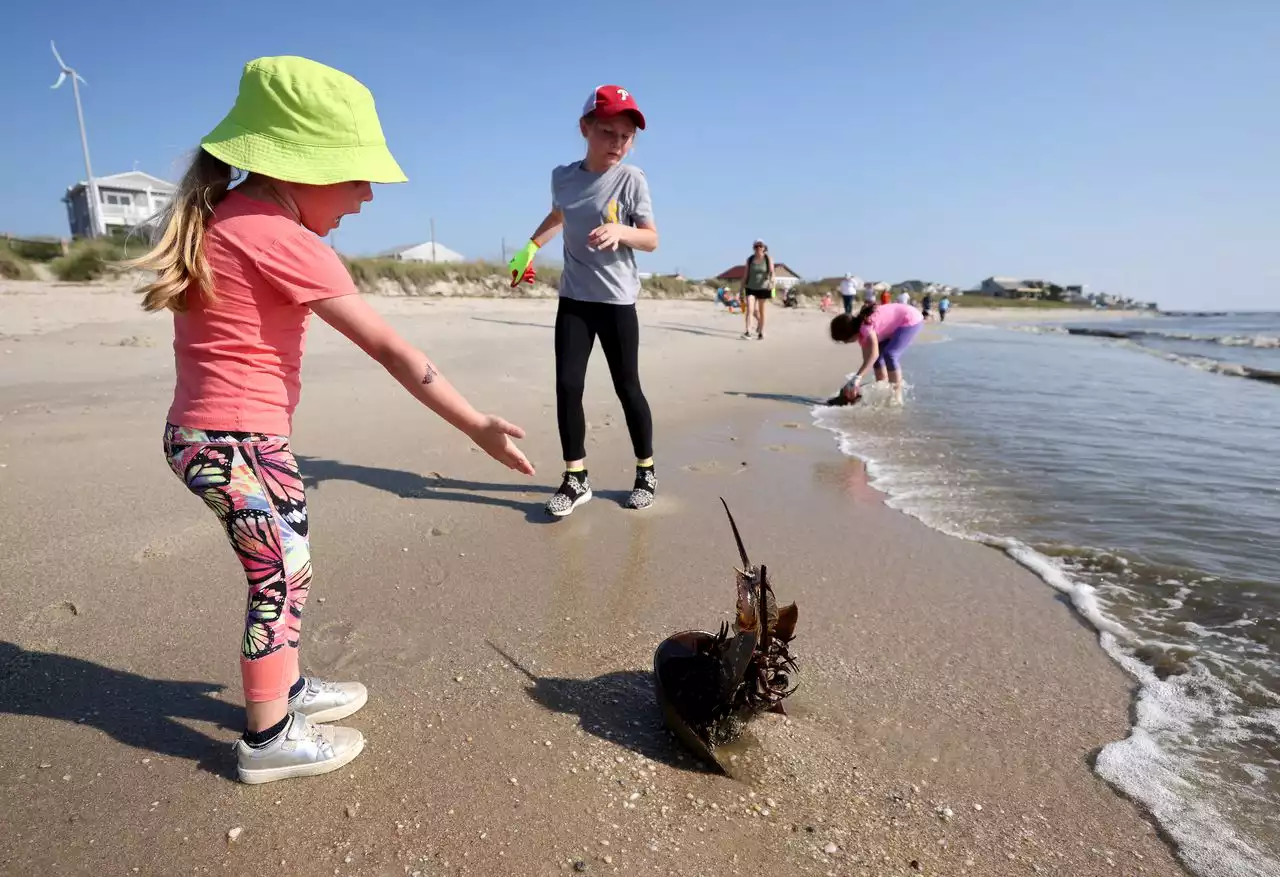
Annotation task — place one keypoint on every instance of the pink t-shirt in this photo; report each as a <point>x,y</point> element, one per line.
<point>887,319</point>
<point>238,355</point>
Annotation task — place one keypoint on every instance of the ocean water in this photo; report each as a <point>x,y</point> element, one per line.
<point>1137,474</point>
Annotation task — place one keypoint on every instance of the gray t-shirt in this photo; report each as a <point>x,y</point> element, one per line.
<point>587,201</point>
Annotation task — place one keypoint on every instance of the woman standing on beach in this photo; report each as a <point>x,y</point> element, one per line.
<point>757,286</point>
<point>242,269</point>
<point>604,208</point>
<point>883,331</point>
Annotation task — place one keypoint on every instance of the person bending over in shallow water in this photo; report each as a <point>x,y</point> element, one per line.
<point>884,332</point>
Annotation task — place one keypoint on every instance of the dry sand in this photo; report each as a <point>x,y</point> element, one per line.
<point>949,704</point>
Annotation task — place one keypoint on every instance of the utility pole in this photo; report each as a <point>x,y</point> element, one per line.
<point>95,208</point>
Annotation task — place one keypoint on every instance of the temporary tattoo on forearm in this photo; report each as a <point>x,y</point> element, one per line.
<point>430,375</point>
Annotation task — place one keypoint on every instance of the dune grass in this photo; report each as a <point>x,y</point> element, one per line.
<point>94,259</point>
<point>12,265</point>
<point>411,275</point>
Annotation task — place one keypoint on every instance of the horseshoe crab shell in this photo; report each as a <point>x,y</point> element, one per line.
<point>708,685</point>
<point>685,645</point>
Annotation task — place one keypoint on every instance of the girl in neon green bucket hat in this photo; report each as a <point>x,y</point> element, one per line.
<point>242,269</point>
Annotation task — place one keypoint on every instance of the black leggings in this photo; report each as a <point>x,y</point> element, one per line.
<point>578,324</point>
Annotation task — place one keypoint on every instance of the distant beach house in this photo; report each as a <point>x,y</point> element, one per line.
<point>125,201</point>
<point>916,287</point>
<point>785,277</point>
<point>1017,287</point>
<point>427,252</point>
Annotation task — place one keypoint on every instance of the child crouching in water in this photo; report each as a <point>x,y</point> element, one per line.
<point>883,331</point>
<point>242,269</point>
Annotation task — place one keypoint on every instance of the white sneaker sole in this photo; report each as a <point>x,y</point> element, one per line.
<point>335,713</point>
<point>254,777</point>
<point>577,502</point>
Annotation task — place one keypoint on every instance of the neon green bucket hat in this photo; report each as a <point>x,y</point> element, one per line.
<point>297,120</point>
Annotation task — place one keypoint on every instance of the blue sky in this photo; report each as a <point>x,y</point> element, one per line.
<point>1130,146</point>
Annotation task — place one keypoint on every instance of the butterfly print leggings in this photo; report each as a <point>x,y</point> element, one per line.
<point>251,483</point>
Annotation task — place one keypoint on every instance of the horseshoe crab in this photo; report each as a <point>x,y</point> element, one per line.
<point>710,685</point>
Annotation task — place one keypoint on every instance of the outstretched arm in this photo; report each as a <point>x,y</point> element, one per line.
<point>357,320</point>
<point>870,353</point>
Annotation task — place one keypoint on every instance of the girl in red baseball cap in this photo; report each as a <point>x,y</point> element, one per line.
<point>605,211</point>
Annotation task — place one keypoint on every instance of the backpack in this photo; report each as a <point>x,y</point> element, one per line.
<point>768,260</point>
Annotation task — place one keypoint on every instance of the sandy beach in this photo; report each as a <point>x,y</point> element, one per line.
<point>949,703</point>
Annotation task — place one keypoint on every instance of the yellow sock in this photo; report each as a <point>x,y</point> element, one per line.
<point>644,464</point>
<point>576,469</point>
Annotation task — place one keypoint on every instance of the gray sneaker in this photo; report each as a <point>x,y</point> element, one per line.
<point>301,750</point>
<point>322,701</point>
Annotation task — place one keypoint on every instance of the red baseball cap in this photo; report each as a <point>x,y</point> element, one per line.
<point>611,100</point>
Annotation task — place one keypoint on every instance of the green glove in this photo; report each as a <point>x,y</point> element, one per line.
<point>521,261</point>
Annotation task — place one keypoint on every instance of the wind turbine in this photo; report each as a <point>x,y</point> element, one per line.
<point>76,79</point>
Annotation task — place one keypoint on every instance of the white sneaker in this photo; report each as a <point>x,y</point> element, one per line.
<point>300,750</point>
<point>322,701</point>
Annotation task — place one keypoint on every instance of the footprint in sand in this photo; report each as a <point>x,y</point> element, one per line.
<point>167,545</point>
<point>710,467</point>
<point>131,341</point>
<point>781,449</point>
<point>59,613</point>
<point>791,425</point>
<point>50,618</point>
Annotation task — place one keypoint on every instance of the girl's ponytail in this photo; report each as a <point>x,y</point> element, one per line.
<point>178,255</point>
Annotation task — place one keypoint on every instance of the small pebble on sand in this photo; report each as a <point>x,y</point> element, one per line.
<point>831,849</point>
<point>233,834</point>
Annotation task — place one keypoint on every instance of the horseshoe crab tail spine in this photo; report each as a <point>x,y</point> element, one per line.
<point>746,564</point>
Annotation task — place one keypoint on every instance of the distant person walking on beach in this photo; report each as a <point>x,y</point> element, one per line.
<point>904,298</point>
<point>926,305</point>
<point>604,208</point>
<point>242,270</point>
<point>849,291</point>
<point>884,297</point>
<point>943,306</point>
<point>757,287</point>
<point>883,332</point>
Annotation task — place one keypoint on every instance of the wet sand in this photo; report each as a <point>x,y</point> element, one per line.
<point>949,704</point>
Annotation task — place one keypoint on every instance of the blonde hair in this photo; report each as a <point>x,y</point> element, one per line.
<point>177,258</point>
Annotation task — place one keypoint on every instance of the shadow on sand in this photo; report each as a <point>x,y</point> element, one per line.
<point>413,485</point>
<point>619,707</point>
<point>807,401</point>
<point>730,334</point>
<point>135,710</point>
<point>514,323</point>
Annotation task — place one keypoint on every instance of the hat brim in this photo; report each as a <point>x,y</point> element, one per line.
<point>636,115</point>
<point>302,163</point>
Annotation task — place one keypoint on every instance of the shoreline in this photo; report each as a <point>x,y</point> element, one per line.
<point>27,307</point>
<point>936,675</point>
